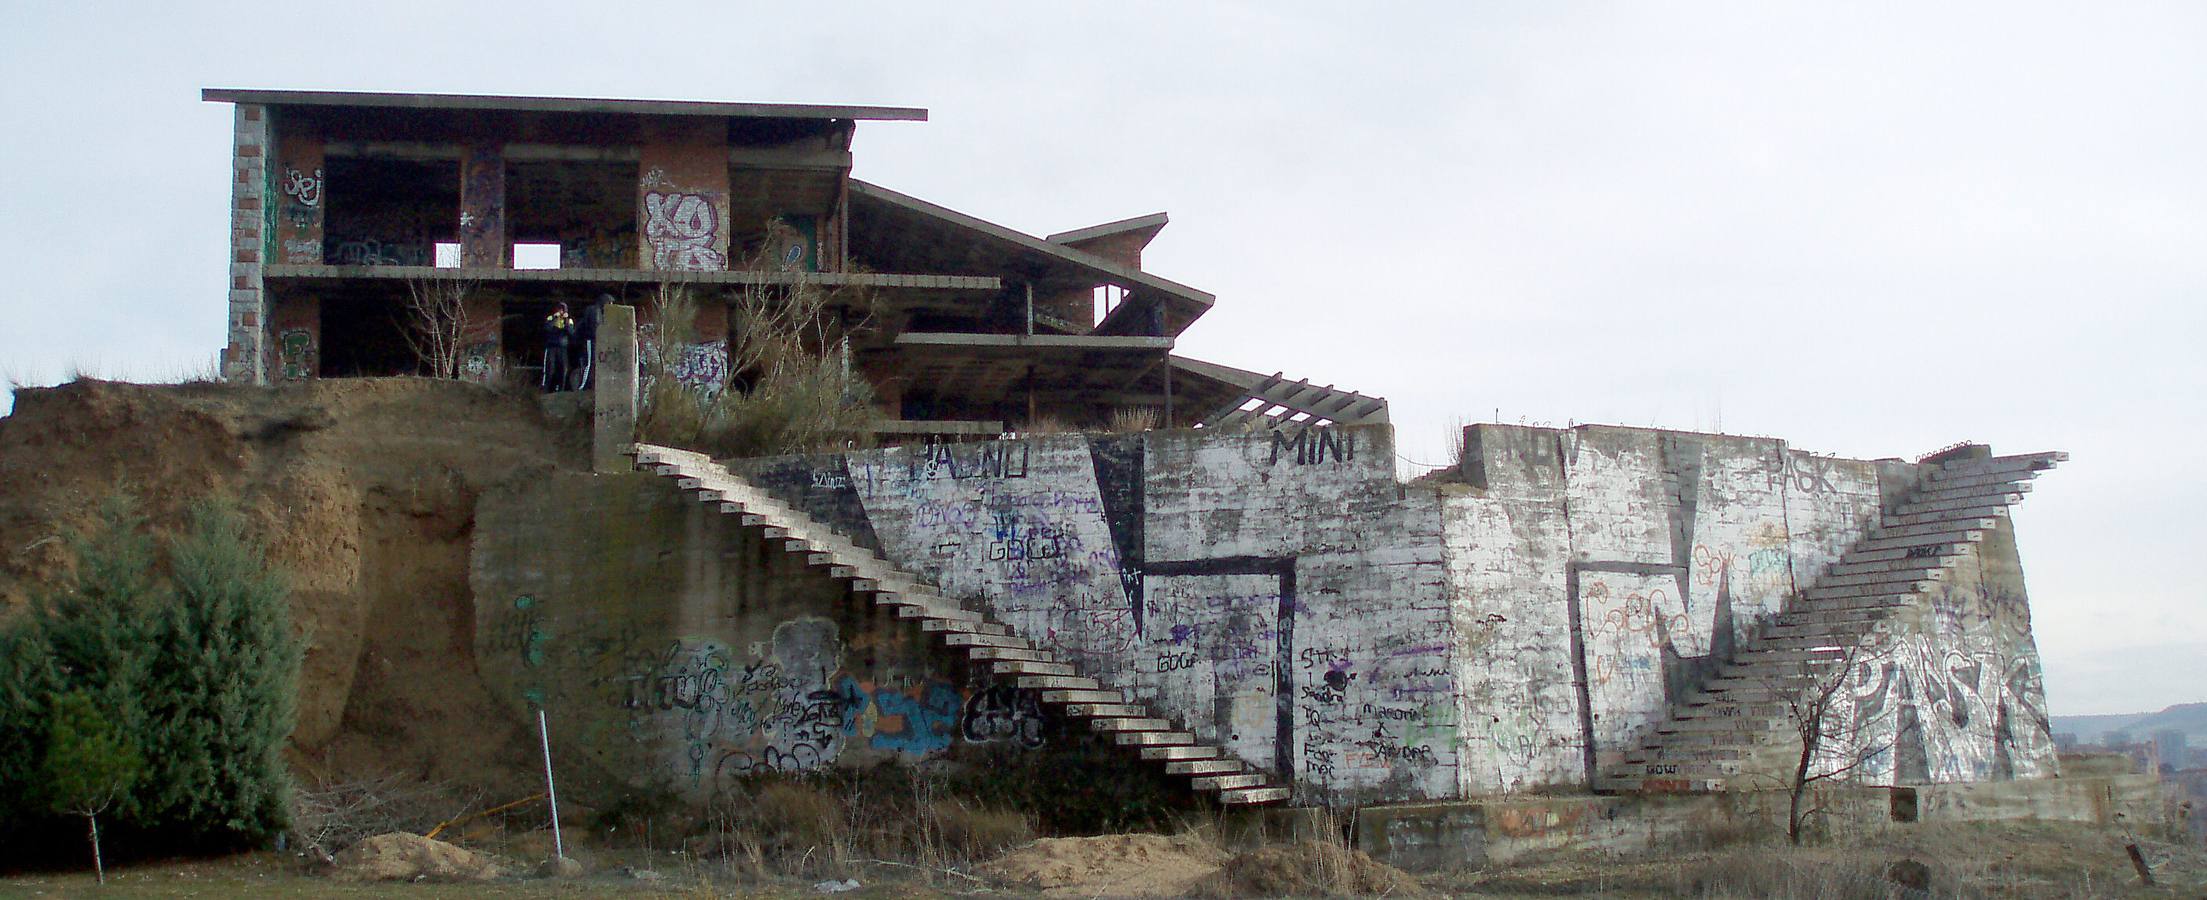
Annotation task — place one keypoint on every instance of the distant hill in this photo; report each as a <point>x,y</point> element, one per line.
<point>2189,718</point>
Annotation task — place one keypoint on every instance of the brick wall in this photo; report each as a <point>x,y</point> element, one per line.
<point>245,359</point>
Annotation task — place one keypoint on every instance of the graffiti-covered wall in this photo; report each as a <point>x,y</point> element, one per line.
<point>1604,571</point>
<point>1276,594</point>
<point>1505,629</point>
<point>671,648</point>
<point>1955,693</point>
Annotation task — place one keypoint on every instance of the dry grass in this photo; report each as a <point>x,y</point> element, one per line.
<point>1047,424</point>
<point>1135,418</point>
<point>328,816</point>
<point>2019,859</point>
<point>799,394</point>
<point>1319,861</point>
<point>818,828</point>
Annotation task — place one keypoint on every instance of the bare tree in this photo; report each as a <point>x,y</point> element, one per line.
<point>437,326</point>
<point>90,765</point>
<point>781,328</point>
<point>1837,740</point>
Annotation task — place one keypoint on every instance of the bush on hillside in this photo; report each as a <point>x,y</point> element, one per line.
<point>188,657</point>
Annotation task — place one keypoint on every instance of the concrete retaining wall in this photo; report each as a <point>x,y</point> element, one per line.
<point>1444,836</point>
<point>1282,595</point>
<point>673,649</point>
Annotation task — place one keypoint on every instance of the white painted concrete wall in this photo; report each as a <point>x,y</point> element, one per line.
<point>1288,598</point>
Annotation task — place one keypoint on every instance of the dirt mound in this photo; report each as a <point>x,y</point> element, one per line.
<point>399,856</point>
<point>1113,865</point>
<point>365,490</point>
<point>1309,868</point>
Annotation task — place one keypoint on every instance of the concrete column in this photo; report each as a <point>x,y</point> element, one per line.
<point>613,421</point>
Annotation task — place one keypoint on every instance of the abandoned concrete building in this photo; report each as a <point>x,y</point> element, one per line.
<point>1265,610</point>
<point>340,200</point>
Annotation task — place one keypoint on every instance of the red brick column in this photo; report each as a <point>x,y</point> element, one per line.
<point>682,197</point>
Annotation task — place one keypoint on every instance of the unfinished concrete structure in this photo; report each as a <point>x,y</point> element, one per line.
<point>340,200</point>
<point>1260,605</point>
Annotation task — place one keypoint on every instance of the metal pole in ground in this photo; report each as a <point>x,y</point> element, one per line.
<point>551,792</point>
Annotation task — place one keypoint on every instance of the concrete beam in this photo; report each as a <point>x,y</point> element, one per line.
<point>1036,341</point>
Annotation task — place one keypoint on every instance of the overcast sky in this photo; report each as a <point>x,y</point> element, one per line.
<point>1872,229</point>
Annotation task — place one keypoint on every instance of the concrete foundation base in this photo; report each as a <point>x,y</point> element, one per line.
<point>1430,837</point>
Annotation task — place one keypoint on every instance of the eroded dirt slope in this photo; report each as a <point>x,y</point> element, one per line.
<point>365,490</point>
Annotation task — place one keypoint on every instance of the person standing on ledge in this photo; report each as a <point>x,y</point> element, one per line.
<point>559,330</point>
<point>586,336</point>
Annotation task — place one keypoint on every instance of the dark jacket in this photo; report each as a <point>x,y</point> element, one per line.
<point>558,328</point>
<point>586,327</point>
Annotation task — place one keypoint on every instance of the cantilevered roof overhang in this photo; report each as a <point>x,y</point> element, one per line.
<point>707,108</point>
<point>895,231</point>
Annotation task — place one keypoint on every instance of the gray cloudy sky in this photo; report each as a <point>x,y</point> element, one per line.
<point>1871,228</point>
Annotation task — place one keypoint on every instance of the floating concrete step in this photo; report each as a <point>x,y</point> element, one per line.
<point>1882,589</point>
<point>939,612</point>
<point>1933,554</point>
<point>1680,755</point>
<point>1753,693</point>
<point>1911,574</point>
<point>1685,769</point>
<point>1226,782</point>
<point>1205,767</point>
<point>1787,654</point>
<point>1978,492</point>
<point>1003,654</point>
<point>1936,527</point>
<point>1253,796</point>
<point>1807,641</point>
<point>1083,697</point>
<point>1731,709</point>
<point>1989,480</point>
<point>1916,507</point>
<point>1988,511</point>
<point>1921,540</point>
<point>1889,567</point>
<point>1105,710</point>
<point>2025,462</point>
<point>1026,667</point>
<point>1059,682</point>
<point>953,627</point>
<point>1890,600</point>
<point>986,640</point>
<point>1120,723</point>
<point>1735,724</point>
<point>1660,784</point>
<point>1153,739</point>
<point>1837,616</point>
<point>1155,753</point>
<point>1838,630</point>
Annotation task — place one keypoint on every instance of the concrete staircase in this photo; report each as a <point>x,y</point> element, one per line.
<point>1736,728</point>
<point>1010,658</point>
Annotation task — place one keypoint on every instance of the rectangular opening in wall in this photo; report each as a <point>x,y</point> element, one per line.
<point>381,211</point>
<point>584,209</point>
<point>448,255</point>
<point>536,256</point>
